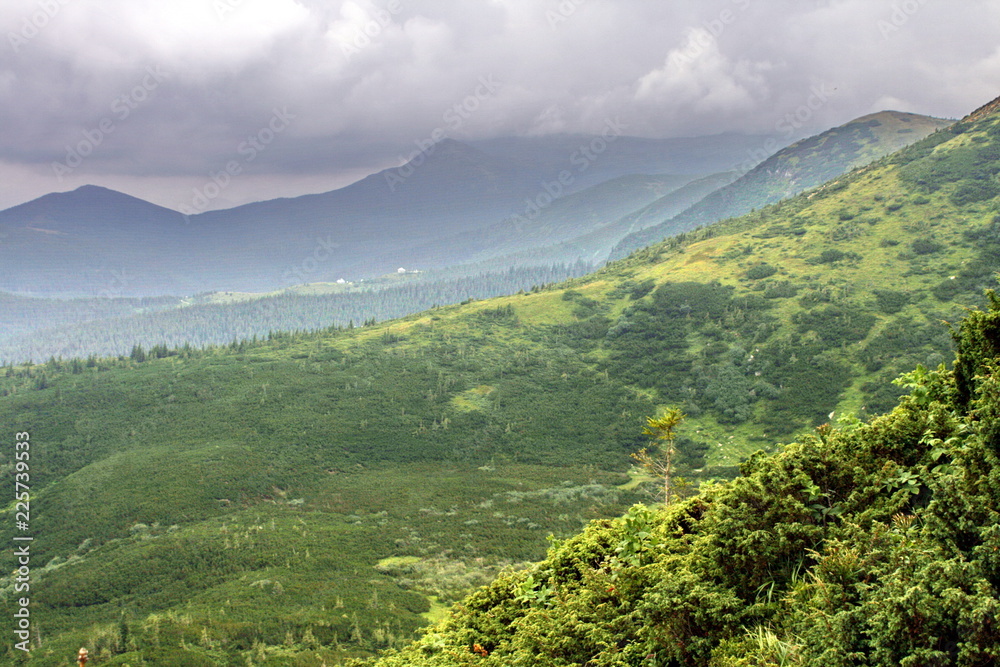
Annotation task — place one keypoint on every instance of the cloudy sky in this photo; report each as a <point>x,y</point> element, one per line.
<point>152,97</point>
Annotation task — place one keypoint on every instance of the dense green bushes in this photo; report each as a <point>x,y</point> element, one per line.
<point>651,346</point>
<point>875,544</point>
<point>975,167</point>
<point>890,302</point>
<point>795,378</point>
<point>836,325</point>
<point>761,271</point>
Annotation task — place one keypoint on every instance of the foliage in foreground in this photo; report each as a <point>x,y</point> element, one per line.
<point>872,544</point>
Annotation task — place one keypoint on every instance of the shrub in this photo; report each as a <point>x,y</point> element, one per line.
<point>781,290</point>
<point>829,256</point>
<point>836,325</point>
<point>641,290</point>
<point>974,191</point>
<point>761,271</point>
<point>925,246</point>
<point>948,289</point>
<point>891,302</point>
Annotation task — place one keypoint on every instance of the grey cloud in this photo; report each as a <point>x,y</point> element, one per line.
<point>367,78</point>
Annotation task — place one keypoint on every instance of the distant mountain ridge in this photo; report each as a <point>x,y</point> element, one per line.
<point>62,242</point>
<point>632,155</point>
<point>529,201</point>
<point>595,245</point>
<point>92,241</point>
<point>801,166</point>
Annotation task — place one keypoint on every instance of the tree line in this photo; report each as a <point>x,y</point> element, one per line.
<point>116,327</point>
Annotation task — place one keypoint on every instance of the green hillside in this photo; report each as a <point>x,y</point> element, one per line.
<point>315,497</point>
<point>871,544</point>
<point>801,166</point>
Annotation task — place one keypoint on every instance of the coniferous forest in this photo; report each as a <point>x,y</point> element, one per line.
<point>40,329</point>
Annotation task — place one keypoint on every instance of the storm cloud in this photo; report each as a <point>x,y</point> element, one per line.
<point>152,97</point>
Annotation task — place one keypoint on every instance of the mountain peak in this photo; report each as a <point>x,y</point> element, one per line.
<point>449,149</point>
<point>95,189</point>
<point>886,114</point>
<point>102,194</point>
<point>85,195</point>
<point>805,164</point>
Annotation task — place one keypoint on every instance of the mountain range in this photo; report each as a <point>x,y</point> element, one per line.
<point>317,497</point>
<point>501,203</point>
<point>422,215</point>
<point>88,241</point>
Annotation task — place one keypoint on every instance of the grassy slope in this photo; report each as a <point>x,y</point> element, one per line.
<point>475,429</point>
<point>433,446</point>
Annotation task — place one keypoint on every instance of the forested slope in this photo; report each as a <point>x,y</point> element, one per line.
<point>871,544</point>
<point>45,328</point>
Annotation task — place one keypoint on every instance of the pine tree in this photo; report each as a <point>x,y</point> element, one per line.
<point>661,467</point>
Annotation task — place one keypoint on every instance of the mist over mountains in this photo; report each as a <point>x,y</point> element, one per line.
<point>463,221</point>
<point>488,206</point>
<point>446,206</point>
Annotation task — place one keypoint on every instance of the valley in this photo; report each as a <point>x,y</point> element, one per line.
<point>318,496</point>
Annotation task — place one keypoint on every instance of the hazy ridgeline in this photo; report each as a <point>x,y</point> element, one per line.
<point>43,328</point>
